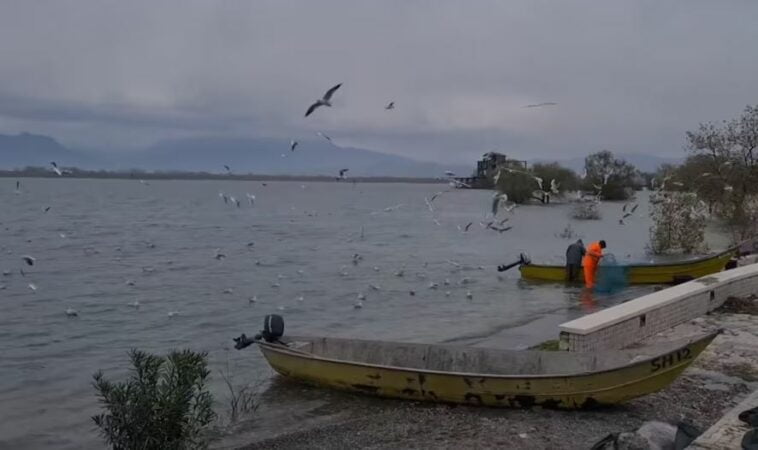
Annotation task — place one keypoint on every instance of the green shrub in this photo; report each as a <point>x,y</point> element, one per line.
<point>163,404</point>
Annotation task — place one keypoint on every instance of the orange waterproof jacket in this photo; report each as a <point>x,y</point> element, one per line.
<point>594,252</point>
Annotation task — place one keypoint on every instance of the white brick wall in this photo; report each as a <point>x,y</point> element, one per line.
<point>630,322</point>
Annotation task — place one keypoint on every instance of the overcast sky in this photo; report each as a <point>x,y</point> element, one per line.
<point>628,76</point>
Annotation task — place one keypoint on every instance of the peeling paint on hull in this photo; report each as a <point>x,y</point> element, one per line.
<point>583,390</point>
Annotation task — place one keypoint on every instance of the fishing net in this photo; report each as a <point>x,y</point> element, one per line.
<point>611,276</point>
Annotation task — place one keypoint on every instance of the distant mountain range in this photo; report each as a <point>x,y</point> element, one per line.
<point>243,155</point>
<point>247,155</point>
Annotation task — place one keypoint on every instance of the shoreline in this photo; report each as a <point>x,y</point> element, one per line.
<point>718,380</point>
<point>102,175</point>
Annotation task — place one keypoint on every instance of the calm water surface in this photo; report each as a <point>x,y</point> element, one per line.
<point>163,236</point>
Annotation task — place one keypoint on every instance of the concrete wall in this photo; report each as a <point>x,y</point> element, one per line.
<point>630,322</point>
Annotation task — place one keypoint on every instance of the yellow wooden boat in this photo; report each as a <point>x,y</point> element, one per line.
<point>482,376</point>
<point>664,273</point>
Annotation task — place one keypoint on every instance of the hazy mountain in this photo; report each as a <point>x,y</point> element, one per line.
<point>642,161</point>
<point>261,156</point>
<point>273,156</point>
<point>26,149</point>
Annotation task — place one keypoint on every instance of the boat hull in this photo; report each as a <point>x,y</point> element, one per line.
<point>584,390</point>
<point>639,274</point>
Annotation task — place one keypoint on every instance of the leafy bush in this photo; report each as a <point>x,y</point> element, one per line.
<point>679,220</point>
<point>163,404</point>
<point>585,211</point>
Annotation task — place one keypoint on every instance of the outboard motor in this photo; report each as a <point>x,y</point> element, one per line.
<point>273,329</point>
<point>522,259</point>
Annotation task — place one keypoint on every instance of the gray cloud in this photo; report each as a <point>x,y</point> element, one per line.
<point>631,76</point>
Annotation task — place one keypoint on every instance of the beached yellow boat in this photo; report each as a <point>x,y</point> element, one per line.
<point>640,273</point>
<point>481,376</point>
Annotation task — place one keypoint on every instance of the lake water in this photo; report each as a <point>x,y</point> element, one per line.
<point>163,236</point>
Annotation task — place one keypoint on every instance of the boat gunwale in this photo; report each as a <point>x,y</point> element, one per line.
<point>279,348</point>
<point>691,262</point>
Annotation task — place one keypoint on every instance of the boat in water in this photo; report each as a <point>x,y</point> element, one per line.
<point>478,376</point>
<point>653,273</point>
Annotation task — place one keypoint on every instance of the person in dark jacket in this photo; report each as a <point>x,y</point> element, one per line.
<point>574,254</point>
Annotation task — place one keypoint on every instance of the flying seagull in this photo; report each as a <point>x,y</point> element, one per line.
<point>342,174</point>
<point>56,169</point>
<point>465,229</point>
<point>539,105</point>
<point>29,260</point>
<point>496,200</point>
<point>293,144</point>
<point>554,185</point>
<point>325,137</point>
<point>228,169</point>
<point>18,187</point>
<point>325,101</point>
<point>390,105</point>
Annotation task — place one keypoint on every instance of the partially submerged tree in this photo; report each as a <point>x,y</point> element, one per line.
<point>566,179</point>
<point>727,155</point>
<point>164,404</point>
<point>613,177</point>
<point>679,220</point>
<point>517,185</point>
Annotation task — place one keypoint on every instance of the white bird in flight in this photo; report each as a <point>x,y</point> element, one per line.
<point>293,144</point>
<point>496,200</point>
<point>539,105</point>
<point>554,185</point>
<point>325,137</point>
<point>390,105</point>
<point>56,169</point>
<point>324,101</point>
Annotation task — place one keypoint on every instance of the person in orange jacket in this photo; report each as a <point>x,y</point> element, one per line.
<point>590,262</point>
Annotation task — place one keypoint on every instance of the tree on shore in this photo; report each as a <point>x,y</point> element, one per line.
<point>725,157</point>
<point>615,177</point>
<point>164,404</point>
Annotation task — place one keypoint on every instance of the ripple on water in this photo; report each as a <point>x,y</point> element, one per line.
<point>48,358</point>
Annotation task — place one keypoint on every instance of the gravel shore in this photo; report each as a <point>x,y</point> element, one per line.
<point>724,374</point>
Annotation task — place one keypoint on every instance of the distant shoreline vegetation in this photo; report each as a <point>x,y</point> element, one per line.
<point>138,174</point>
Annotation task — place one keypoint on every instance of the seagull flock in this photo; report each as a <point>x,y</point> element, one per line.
<point>491,222</point>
